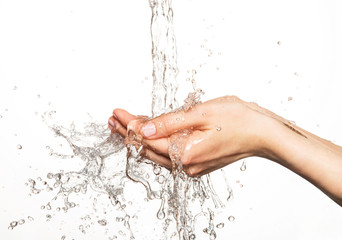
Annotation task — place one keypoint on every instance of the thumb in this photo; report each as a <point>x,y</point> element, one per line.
<point>170,123</point>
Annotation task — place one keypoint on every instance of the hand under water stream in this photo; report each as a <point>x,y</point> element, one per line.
<point>227,129</point>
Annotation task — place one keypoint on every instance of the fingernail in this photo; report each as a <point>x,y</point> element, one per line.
<point>116,117</point>
<point>111,122</point>
<point>149,130</point>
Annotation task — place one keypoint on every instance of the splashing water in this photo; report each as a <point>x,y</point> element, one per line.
<point>109,161</point>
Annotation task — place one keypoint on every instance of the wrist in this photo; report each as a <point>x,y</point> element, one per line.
<point>273,136</point>
<point>284,144</point>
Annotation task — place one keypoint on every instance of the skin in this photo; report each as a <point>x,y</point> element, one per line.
<point>227,129</point>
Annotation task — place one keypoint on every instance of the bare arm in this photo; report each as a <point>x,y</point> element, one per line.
<point>314,158</point>
<point>227,129</point>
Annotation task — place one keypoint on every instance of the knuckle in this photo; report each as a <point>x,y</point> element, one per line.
<point>187,160</point>
<point>162,127</point>
<point>192,171</point>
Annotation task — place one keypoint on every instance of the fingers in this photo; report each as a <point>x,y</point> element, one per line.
<point>200,146</point>
<point>202,153</point>
<point>157,158</point>
<point>111,124</point>
<point>116,126</point>
<point>168,124</point>
<point>155,150</point>
<point>123,116</point>
<point>119,121</point>
<point>160,146</point>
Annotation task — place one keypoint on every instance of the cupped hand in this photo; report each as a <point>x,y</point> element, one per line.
<point>223,130</point>
<point>155,150</point>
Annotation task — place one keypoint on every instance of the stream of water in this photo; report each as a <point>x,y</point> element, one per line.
<point>109,163</point>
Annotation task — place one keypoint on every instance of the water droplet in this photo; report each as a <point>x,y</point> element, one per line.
<point>160,179</point>
<point>21,221</point>
<point>161,214</point>
<point>48,206</point>
<point>218,129</point>
<point>231,218</point>
<point>220,225</point>
<point>102,222</point>
<point>19,146</point>
<point>81,228</point>
<point>243,166</point>
<point>192,236</point>
<point>289,99</point>
<point>72,204</point>
<point>279,43</point>
<point>13,224</point>
<point>63,237</point>
<point>48,217</point>
<point>30,218</point>
<point>212,235</point>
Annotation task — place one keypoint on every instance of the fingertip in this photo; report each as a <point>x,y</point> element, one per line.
<point>123,116</point>
<point>116,112</point>
<point>111,122</point>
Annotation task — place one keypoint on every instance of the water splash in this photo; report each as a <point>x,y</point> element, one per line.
<point>187,198</point>
<point>109,161</point>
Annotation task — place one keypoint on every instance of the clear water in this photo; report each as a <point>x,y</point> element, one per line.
<point>187,205</point>
<point>164,57</point>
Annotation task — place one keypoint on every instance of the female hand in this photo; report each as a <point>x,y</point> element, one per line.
<point>227,129</point>
<point>224,130</point>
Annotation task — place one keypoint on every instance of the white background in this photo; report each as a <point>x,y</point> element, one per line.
<point>93,56</point>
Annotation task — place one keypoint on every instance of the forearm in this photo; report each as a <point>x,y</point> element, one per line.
<point>315,159</point>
